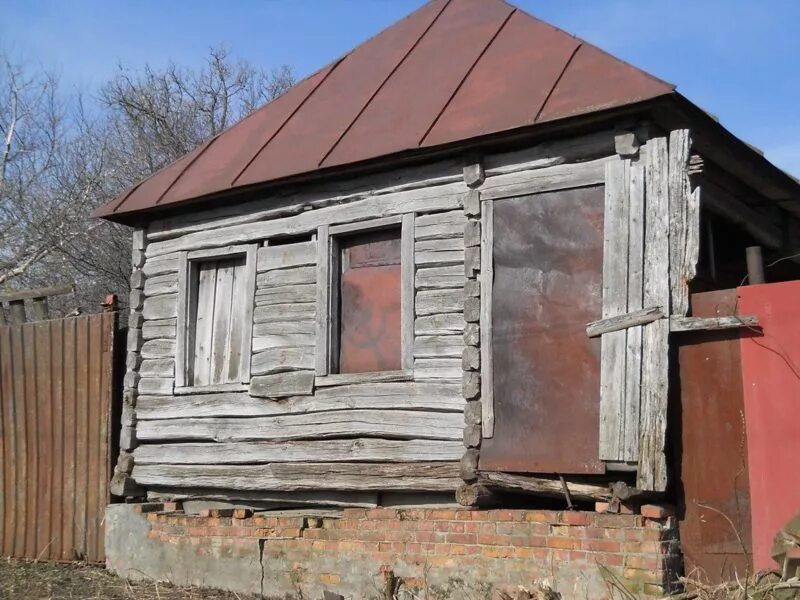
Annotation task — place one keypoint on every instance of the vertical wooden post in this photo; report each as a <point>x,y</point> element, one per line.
<point>755,265</point>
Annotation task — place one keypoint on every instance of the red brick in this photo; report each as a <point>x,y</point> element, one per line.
<point>576,518</point>
<point>441,514</point>
<point>655,511</point>
<point>563,543</point>
<point>540,516</point>
<point>355,513</point>
<point>382,513</point>
<point>461,538</point>
<point>601,545</point>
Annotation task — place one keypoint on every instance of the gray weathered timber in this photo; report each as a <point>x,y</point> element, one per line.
<point>444,397</point>
<point>304,476</point>
<point>485,320</point>
<point>287,294</point>
<point>288,255</point>
<point>291,326</point>
<point>633,342</point>
<point>354,450</point>
<point>293,276</point>
<point>156,385</point>
<point>626,144</point>
<point>684,219</point>
<point>323,278</point>
<point>728,206</point>
<point>161,328</point>
<point>157,367</point>
<point>362,226</point>
<point>160,265</point>
<point>297,383</point>
<point>392,424</point>
<point>615,303</point>
<point>547,179</point>
<point>545,487</point>
<point>437,368</point>
<point>440,244</point>
<point>439,258</point>
<point>439,324</point>
<point>429,302</point>
<point>438,346</point>
<point>158,349</point>
<point>278,360</point>
<point>652,471</point>
<point>439,277</point>
<point>185,331</point>
<point>625,321</point>
<point>473,174</point>
<point>679,323</point>
<point>161,284</point>
<point>439,225</point>
<point>339,379</point>
<point>161,307</point>
<point>407,292</point>
<point>284,340</point>
<point>284,312</point>
<point>445,197</point>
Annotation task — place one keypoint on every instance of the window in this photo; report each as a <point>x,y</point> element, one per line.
<point>366,310</point>
<point>215,318</point>
<point>369,303</point>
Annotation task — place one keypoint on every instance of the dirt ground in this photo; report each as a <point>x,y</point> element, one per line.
<point>43,581</point>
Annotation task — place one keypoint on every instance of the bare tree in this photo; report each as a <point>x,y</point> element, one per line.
<point>62,156</point>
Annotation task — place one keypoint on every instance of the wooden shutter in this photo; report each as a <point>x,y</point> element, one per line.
<point>650,252</point>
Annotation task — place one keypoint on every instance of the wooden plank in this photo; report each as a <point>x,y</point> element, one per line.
<point>652,471</point>
<point>486,279</point>
<point>323,280</point>
<point>339,379</point>
<point>545,487</point>
<point>204,323</point>
<point>633,342</point>
<point>440,225</point>
<point>282,313</point>
<point>437,368</point>
<point>158,349</point>
<point>680,324</point>
<point>391,424</point>
<point>278,360</point>
<point>242,334</point>
<point>156,385</point>
<point>286,294</point>
<point>43,292</point>
<point>445,397</point>
<point>157,367</point>
<point>161,284</point>
<point>222,322</point>
<point>266,499</point>
<point>407,268</point>
<point>293,276</point>
<point>439,277</point>
<point>438,346</point>
<point>557,177</point>
<point>445,197</point>
<point>293,326</point>
<point>287,256</point>
<point>439,258</point>
<point>684,207</point>
<point>615,303</point>
<point>440,244</point>
<point>163,264</point>
<point>160,328</point>
<point>161,307</point>
<point>284,340</point>
<point>185,321</point>
<point>429,302</point>
<point>440,324</point>
<point>282,384</point>
<point>354,450</point>
<point>641,316</point>
<point>304,476</point>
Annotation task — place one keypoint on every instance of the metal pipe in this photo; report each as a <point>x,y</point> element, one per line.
<point>755,265</point>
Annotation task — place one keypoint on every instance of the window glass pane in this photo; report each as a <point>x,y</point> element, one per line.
<point>218,322</point>
<point>369,297</point>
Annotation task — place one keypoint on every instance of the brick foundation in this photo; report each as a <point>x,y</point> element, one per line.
<point>446,553</point>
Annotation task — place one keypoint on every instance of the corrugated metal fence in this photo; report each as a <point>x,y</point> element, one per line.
<point>55,391</point>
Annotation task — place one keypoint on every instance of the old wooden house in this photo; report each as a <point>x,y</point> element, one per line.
<point>375,290</point>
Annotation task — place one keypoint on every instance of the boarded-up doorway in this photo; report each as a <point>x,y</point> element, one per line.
<point>547,255</point>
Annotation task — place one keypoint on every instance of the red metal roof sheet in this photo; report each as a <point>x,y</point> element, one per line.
<point>451,71</point>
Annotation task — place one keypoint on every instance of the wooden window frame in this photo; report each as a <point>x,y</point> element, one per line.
<point>328,251</point>
<point>187,295</point>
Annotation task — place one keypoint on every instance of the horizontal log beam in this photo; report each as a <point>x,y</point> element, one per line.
<point>680,324</point>
<point>619,322</point>
<point>544,487</point>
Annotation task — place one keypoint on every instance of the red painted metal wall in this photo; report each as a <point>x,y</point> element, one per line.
<point>771,374</point>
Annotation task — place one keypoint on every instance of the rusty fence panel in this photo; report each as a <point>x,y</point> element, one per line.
<point>55,392</point>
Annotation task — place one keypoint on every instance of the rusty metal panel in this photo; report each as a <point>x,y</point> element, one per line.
<point>451,71</point>
<point>369,296</point>
<point>55,390</point>
<point>548,257</point>
<point>715,517</point>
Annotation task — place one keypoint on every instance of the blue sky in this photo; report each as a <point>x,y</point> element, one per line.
<point>739,59</point>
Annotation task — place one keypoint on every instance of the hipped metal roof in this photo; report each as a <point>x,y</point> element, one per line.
<point>450,71</point>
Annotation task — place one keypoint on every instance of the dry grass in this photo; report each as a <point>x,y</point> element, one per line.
<point>43,581</point>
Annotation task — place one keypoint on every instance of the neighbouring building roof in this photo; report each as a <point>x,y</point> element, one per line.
<point>451,71</point>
